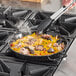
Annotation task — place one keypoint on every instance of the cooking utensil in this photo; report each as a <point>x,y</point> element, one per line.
<point>40,58</point>
<point>44,24</point>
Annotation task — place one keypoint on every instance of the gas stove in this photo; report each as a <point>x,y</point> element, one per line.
<point>13,19</point>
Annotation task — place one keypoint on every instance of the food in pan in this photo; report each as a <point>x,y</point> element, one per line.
<point>38,45</point>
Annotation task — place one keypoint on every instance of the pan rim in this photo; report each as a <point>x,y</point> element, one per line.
<point>39,55</point>
<point>42,55</point>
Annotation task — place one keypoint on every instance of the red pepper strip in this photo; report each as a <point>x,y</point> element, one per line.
<point>35,54</point>
<point>11,45</point>
<point>44,51</point>
<point>40,54</point>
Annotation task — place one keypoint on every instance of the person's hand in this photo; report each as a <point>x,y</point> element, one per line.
<point>67,2</point>
<point>73,5</point>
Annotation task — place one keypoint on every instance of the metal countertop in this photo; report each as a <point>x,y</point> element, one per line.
<point>68,66</point>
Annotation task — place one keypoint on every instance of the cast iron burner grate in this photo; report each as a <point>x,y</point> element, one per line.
<point>10,65</point>
<point>9,17</point>
<point>29,68</point>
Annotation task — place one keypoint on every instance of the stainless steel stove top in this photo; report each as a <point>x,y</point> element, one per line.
<point>8,59</point>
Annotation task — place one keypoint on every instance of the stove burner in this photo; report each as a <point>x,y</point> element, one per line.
<point>4,70</point>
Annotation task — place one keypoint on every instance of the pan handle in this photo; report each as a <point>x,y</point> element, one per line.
<point>50,21</point>
<point>61,11</point>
